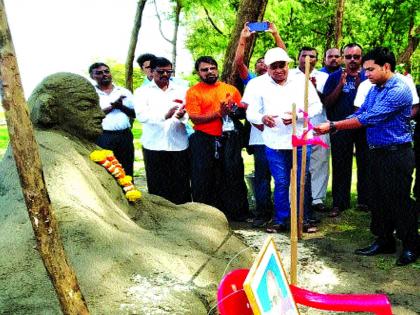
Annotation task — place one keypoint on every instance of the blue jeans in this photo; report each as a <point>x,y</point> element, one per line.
<point>280,162</point>
<point>264,205</point>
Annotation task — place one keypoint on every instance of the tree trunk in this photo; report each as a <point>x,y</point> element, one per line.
<point>413,43</point>
<point>339,23</point>
<point>249,10</point>
<point>28,164</point>
<point>133,44</point>
<point>178,9</point>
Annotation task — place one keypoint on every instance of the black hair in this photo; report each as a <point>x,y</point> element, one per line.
<point>381,56</point>
<point>159,62</point>
<point>206,59</point>
<point>97,65</point>
<point>351,45</point>
<point>145,57</point>
<point>308,48</point>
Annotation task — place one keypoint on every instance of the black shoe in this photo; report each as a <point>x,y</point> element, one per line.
<point>407,257</point>
<point>362,207</point>
<point>313,220</point>
<point>320,207</point>
<point>376,248</point>
<point>256,223</point>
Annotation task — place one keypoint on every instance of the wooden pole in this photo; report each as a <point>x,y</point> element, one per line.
<point>293,208</point>
<point>29,168</point>
<point>304,152</point>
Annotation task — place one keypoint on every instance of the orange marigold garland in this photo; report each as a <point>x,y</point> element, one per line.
<point>107,159</point>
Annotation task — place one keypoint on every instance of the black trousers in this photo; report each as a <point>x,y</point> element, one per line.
<point>342,145</point>
<point>168,174</point>
<point>392,208</point>
<point>217,177</point>
<point>416,190</point>
<point>121,143</point>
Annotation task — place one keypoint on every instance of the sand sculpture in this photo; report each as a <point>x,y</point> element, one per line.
<point>150,257</point>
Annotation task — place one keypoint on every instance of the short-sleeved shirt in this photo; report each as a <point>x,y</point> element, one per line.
<point>205,99</point>
<point>344,106</point>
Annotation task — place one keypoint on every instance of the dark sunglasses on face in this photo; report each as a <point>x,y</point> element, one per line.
<point>208,69</point>
<point>101,72</point>
<point>355,57</point>
<point>168,72</point>
<point>278,65</point>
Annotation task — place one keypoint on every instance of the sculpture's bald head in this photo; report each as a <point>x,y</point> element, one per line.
<point>68,102</point>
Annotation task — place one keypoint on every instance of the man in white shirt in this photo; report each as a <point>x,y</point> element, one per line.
<point>159,107</point>
<point>270,98</point>
<point>319,165</point>
<point>117,104</point>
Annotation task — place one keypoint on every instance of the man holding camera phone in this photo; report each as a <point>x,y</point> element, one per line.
<point>262,179</point>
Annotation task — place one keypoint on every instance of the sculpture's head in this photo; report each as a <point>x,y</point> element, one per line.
<point>68,102</point>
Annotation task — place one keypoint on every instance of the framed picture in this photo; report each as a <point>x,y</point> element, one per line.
<point>266,285</point>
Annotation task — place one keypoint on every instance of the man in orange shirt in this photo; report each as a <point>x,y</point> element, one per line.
<point>217,167</point>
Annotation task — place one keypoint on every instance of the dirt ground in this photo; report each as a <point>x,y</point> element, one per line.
<point>327,263</point>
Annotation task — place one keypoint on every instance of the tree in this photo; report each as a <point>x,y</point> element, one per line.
<point>133,44</point>
<point>249,10</point>
<point>29,167</point>
<point>338,23</point>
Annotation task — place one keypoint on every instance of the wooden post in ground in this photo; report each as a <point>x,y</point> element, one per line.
<point>304,152</point>
<point>28,164</point>
<point>293,208</point>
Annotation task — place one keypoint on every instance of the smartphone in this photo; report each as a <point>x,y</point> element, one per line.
<point>258,26</point>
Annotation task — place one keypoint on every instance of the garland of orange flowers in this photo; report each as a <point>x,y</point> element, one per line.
<point>108,160</point>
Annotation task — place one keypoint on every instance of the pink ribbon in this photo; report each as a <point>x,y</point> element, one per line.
<point>300,141</point>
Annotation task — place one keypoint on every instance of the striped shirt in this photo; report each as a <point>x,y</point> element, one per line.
<point>386,113</point>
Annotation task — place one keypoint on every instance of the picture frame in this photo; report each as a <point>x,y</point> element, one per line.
<point>266,285</point>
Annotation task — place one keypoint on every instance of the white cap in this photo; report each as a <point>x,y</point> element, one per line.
<point>276,54</point>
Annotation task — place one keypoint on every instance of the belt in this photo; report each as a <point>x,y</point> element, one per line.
<point>118,132</point>
<point>392,147</point>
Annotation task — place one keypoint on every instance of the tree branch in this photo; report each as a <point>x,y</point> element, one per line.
<point>211,22</point>
<point>160,24</point>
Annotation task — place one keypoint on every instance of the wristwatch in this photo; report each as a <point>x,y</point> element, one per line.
<point>333,128</point>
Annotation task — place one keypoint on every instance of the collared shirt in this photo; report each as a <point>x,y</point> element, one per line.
<point>320,78</point>
<point>366,85</point>
<point>204,99</point>
<point>151,105</point>
<point>116,119</point>
<point>344,105</point>
<point>265,97</point>
<point>386,113</point>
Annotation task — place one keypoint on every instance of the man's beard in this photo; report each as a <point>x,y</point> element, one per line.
<point>210,80</point>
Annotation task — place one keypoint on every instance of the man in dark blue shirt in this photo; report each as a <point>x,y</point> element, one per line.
<point>386,114</point>
<point>340,92</point>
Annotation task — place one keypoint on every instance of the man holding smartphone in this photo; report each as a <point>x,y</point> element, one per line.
<point>262,179</point>
<point>117,104</point>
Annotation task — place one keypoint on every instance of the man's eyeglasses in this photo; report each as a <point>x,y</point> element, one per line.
<point>101,72</point>
<point>161,72</point>
<point>208,69</point>
<point>355,57</point>
<point>278,65</point>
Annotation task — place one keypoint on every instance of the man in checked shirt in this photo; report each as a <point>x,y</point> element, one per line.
<point>386,114</point>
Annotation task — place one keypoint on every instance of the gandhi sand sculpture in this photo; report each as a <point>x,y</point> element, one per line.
<point>151,257</point>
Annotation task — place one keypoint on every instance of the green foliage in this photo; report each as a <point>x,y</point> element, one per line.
<point>307,23</point>
<point>118,74</point>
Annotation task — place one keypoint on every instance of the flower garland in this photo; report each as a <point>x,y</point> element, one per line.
<point>107,159</point>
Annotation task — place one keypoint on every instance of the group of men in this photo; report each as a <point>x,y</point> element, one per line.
<point>206,165</point>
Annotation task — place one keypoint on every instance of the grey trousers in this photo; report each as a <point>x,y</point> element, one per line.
<point>319,168</point>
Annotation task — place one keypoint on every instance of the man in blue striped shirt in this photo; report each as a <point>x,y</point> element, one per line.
<point>386,114</point>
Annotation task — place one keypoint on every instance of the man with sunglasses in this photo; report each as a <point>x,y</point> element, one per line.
<point>270,98</point>
<point>159,108</point>
<point>117,104</point>
<point>217,165</point>
<point>340,91</point>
